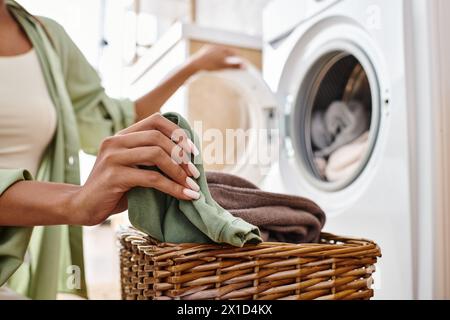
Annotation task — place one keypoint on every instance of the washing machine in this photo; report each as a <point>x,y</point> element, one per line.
<point>390,58</point>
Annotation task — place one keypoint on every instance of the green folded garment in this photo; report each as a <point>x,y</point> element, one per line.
<point>203,221</point>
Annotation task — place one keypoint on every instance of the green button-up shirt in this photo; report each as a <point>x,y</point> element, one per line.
<point>39,262</point>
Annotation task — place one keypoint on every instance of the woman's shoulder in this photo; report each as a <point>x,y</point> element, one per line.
<point>55,30</point>
<point>57,34</point>
<point>52,26</point>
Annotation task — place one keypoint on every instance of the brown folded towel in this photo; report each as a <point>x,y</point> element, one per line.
<point>281,218</point>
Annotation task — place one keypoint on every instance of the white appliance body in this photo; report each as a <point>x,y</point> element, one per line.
<point>400,197</point>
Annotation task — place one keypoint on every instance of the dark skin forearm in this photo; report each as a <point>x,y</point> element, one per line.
<point>208,59</point>
<point>38,204</point>
<point>153,101</point>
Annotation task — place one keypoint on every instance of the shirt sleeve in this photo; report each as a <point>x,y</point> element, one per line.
<point>98,116</point>
<point>13,241</point>
<point>10,176</point>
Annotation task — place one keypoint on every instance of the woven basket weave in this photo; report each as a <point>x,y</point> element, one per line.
<point>336,269</point>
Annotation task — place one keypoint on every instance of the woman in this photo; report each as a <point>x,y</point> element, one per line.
<point>51,106</point>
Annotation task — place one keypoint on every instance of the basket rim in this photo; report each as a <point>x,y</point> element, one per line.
<point>331,246</point>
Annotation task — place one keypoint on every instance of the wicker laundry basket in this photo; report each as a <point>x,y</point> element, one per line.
<point>336,269</point>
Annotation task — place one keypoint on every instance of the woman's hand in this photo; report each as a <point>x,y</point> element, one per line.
<point>149,143</point>
<point>154,141</point>
<point>213,58</point>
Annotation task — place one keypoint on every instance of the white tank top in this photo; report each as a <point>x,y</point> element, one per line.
<point>27,114</point>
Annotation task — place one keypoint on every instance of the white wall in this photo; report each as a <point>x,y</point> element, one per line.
<point>233,15</point>
<point>80,18</point>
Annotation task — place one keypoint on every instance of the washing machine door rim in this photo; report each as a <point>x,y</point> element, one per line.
<point>263,121</point>
<point>337,50</point>
<point>250,82</point>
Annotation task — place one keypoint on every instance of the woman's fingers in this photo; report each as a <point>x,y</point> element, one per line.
<point>153,179</point>
<point>165,126</point>
<point>233,62</point>
<point>154,138</point>
<point>156,156</point>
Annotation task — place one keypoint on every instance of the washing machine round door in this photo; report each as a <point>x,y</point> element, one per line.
<point>335,117</point>
<point>234,114</point>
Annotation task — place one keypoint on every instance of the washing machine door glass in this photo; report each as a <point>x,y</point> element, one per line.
<point>229,110</point>
<point>336,119</point>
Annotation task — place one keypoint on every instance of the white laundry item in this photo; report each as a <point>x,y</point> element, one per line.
<point>321,166</point>
<point>321,137</point>
<point>344,162</point>
<point>27,114</point>
<point>345,122</point>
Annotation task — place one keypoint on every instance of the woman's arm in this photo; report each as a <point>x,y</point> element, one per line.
<point>149,142</point>
<point>209,58</point>
<point>153,101</point>
<point>29,203</point>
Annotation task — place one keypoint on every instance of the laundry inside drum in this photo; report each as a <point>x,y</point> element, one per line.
<point>338,118</point>
<point>218,112</point>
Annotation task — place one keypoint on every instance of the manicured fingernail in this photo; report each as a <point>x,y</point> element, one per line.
<point>194,149</point>
<point>191,194</point>
<point>193,169</point>
<point>183,142</point>
<point>180,156</point>
<point>192,184</point>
